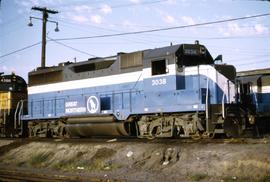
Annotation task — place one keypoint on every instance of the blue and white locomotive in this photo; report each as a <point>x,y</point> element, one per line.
<point>171,91</point>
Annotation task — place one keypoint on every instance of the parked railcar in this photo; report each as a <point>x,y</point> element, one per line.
<point>13,89</point>
<point>174,91</point>
<point>254,89</point>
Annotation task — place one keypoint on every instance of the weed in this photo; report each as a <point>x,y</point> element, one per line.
<point>246,179</point>
<point>20,164</point>
<point>198,177</point>
<point>97,162</point>
<point>264,179</point>
<point>40,159</point>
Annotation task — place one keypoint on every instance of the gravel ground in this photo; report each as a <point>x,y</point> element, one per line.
<point>228,160</point>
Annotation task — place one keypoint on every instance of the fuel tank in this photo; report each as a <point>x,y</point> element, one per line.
<point>96,126</point>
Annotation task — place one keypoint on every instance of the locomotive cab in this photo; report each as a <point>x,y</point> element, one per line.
<point>13,90</point>
<point>193,55</point>
<point>191,93</point>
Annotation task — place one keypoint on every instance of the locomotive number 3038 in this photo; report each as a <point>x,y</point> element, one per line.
<point>161,81</point>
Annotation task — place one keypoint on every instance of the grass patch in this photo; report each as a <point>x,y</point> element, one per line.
<point>198,177</point>
<point>234,179</point>
<point>264,178</point>
<point>246,179</point>
<point>89,165</point>
<point>98,162</point>
<point>104,153</point>
<point>20,164</point>
<point>65,165</point>
<point>39,160</point>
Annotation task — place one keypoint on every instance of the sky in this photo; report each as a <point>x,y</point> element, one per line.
<point>243,43</point>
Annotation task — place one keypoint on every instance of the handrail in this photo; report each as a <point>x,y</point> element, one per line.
<point>255,97</point>
<point>19,116</point>
<point>229,91</point>
<point>134,86</point>
<point>223,103</point>
<point>5,117</point>
<point>20,112</point>
<point>206,103</point>
<point>15,114</point>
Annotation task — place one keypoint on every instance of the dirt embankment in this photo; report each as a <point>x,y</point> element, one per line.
<point>145,161</point>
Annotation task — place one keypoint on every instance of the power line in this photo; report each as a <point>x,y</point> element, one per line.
<point>75,3</point>
<point>168,36</point>
<point>60,43</point>
<point>212,38</point>
<point>138,40</point>
<point>128,4</point>
<point>250,58</point>
<point>251,63</point>
<point>151,41</point>
<point>164,29</point>
<point>234,50</point>
<point>35,44</point>
<point>134,4</point>
<point>64,20</point>
<point>139,32</point>
<point>19,50</point>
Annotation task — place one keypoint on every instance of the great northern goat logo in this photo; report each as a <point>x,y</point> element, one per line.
<point>92,104</point>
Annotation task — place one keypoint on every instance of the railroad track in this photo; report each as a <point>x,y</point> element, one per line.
<point>16,175</point>
<point>23,175</point>
<point>136,140</point>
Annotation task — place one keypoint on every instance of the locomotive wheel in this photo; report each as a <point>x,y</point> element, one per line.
<point>207,135</point>
<point>155,131</point>
<point>233,127</point>
<point>62,132</point>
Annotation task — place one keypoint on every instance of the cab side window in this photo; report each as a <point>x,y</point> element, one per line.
<point>158,67</point>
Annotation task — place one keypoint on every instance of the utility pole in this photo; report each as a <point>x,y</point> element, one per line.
<point>45,15</point>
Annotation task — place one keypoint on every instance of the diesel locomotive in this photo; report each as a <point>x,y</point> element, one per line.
<point>254,89</point>
<point>174,91</point>
<point>13,91</point>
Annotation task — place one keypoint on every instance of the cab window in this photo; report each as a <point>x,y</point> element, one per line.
<point>159,67</point>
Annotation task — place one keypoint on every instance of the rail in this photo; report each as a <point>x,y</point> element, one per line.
<point>26,175</point>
